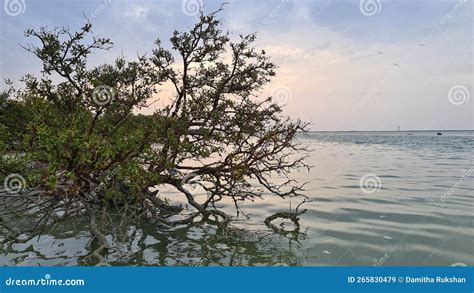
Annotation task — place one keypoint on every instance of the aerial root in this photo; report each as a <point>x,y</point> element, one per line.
<point>96,233</point>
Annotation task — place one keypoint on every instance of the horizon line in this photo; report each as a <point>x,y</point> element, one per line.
<point>410,130</point>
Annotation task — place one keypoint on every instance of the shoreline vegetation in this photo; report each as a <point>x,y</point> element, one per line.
<point>76,147</point>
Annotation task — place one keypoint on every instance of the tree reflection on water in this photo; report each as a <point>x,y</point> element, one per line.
<point>190,245</point>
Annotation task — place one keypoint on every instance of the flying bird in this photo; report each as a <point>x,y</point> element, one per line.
<point>380,52</point>
<point>396,64</point>
<point>422,45</point>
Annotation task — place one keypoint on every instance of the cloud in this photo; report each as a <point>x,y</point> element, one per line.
<point>136,12</point>
<point>327,53</point>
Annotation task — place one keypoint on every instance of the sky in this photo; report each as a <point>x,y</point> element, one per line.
<point>342,64</point>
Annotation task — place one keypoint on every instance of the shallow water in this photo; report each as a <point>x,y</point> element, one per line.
<point>377,198</point>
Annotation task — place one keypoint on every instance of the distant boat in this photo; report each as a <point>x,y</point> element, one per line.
<point>439,133</point>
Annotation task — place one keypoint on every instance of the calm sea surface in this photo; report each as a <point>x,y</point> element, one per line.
<point>377,198</point>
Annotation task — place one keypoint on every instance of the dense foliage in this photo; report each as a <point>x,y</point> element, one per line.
<point>75,133</point>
